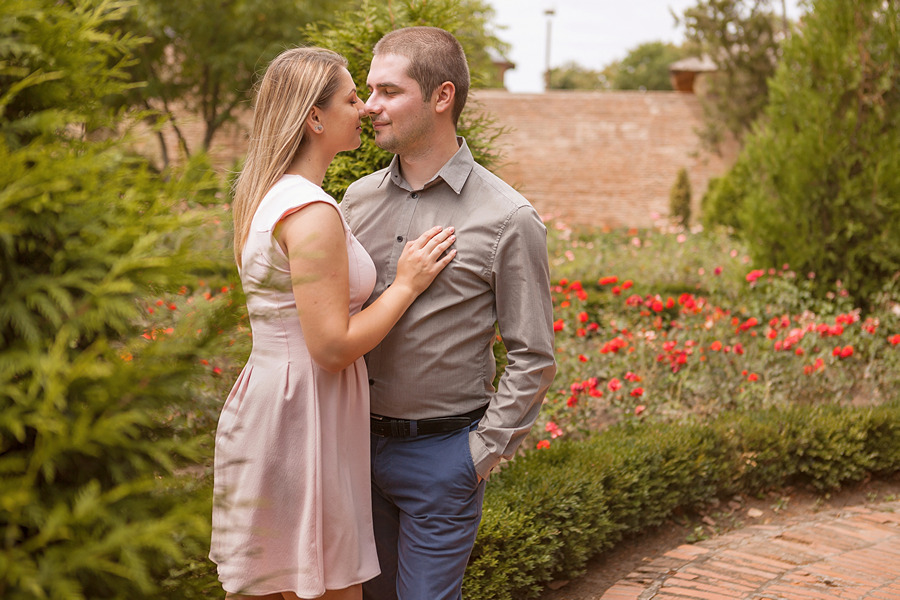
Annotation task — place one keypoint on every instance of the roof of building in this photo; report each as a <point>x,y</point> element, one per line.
<point>696,64</point>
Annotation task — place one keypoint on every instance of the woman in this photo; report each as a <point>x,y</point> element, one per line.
<point>292,516</point>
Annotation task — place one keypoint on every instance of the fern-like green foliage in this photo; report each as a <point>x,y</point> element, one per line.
<point>94,502</point>
<point>355,34</point>
<point>58,68</point>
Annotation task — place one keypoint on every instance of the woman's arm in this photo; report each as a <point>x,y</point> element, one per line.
<point>313,239</point>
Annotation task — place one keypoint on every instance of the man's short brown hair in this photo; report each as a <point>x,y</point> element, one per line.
<point>435,56</point>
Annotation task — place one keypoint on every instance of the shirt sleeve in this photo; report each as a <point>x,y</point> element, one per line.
<point>521,281</point>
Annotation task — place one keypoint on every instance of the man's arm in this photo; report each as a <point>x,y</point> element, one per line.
<point>521,282</point>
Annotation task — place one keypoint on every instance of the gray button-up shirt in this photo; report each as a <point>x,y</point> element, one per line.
<point>438,360</point>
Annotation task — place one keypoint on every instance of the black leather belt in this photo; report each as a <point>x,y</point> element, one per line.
<point>388,427</point>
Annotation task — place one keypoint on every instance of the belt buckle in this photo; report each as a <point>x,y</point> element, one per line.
<point>400,427</point>
<point>390,427</point>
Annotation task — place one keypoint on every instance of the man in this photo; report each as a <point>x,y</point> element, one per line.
<point>438,425</point>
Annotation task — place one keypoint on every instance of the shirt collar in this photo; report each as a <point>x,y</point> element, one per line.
<point>454,172</point>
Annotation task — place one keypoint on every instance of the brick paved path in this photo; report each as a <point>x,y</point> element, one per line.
<point>847,554</point>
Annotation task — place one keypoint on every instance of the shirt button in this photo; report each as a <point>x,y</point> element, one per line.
<point>414,196</point>
<point>399,238</point>
<point>371,382</point>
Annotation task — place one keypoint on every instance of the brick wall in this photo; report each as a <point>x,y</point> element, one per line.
<point>602,158</point>
<point>228,145</point>
<point>598,158</point>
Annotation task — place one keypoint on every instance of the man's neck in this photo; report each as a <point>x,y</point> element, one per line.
<point>420,167</point>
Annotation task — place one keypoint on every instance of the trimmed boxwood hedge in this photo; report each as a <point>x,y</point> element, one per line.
<point>549,511</point>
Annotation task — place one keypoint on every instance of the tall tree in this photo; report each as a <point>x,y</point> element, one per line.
<point>742,38</point>
<point>572,76</point>
<point>202,56</point>
<point>821,177</point>
<point>645,67</point>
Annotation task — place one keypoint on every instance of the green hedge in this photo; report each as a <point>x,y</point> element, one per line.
<point>549,511</point>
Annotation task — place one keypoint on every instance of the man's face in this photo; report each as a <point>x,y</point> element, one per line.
<point>402,119</point>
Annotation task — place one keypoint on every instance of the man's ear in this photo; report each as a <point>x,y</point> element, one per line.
<point>444,96</point>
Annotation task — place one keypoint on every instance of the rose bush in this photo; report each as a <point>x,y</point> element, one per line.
<point>663,323</point>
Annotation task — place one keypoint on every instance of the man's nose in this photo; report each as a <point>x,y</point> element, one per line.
<point>372,106</point>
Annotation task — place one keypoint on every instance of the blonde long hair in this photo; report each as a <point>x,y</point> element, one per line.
<point>295,81</point>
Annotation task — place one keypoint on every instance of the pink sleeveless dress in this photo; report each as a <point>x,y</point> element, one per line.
<point>292,508</point>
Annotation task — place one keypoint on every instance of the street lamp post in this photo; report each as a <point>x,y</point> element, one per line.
<point>549,12</point>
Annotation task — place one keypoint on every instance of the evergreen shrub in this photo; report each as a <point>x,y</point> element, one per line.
<point>99,494</point>
<point>58,67</point>
<point>822,174</point>
<point>93,438</point>
<point>680,198</point>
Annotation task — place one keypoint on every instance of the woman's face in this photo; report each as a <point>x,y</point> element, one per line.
<point>341,119</point>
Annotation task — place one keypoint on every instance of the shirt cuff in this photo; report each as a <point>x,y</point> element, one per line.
<point>482,459</point>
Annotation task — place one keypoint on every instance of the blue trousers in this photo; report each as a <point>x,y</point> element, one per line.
<point>426,502</point>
